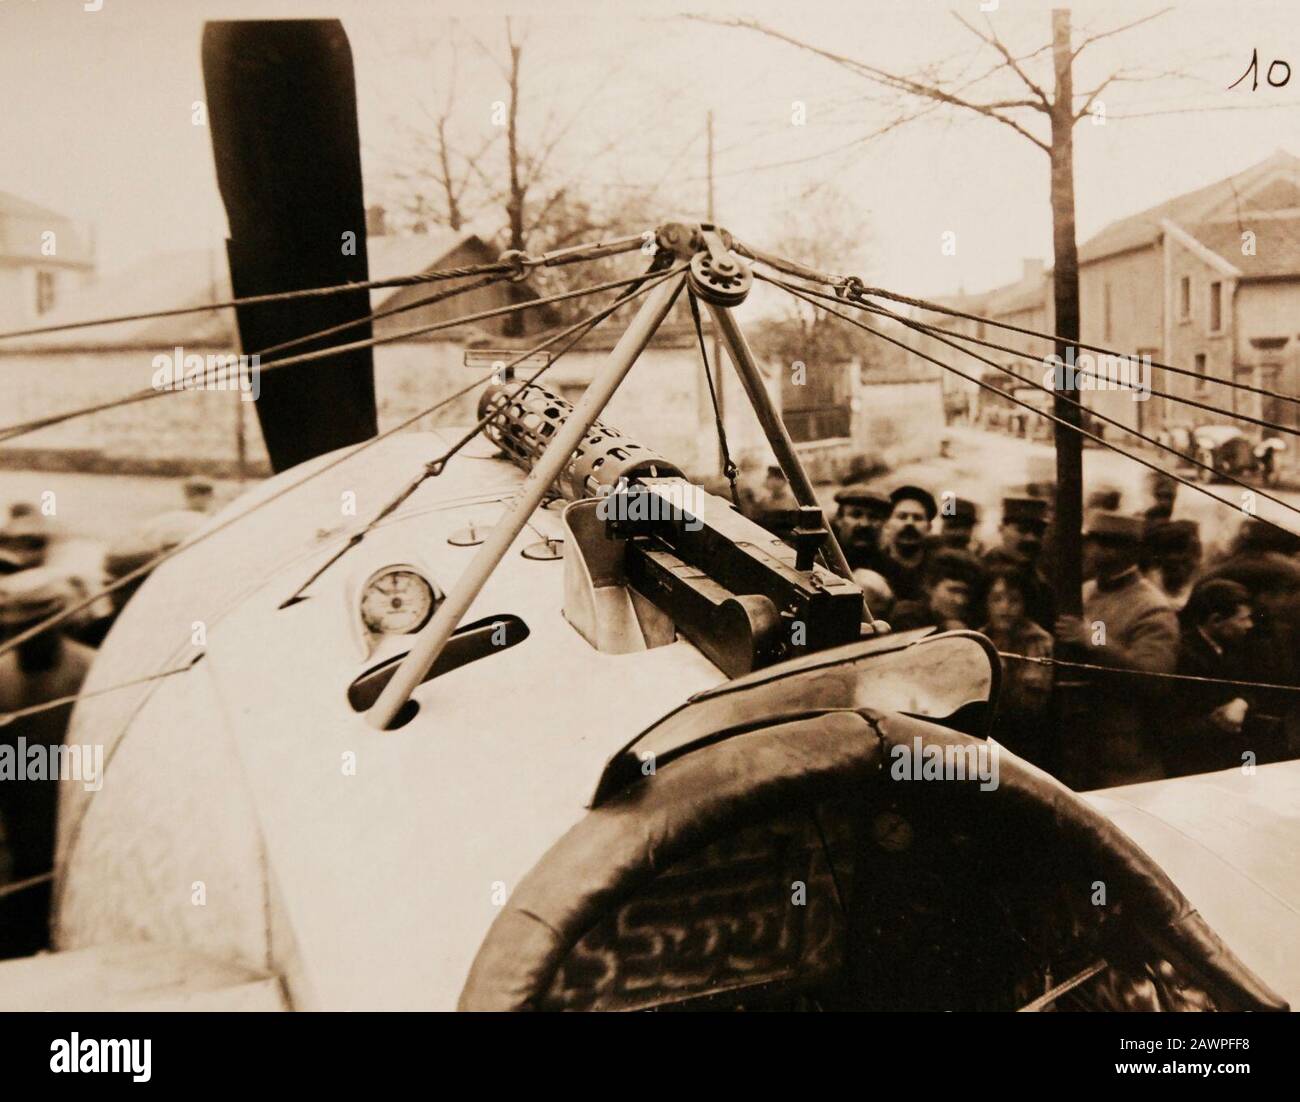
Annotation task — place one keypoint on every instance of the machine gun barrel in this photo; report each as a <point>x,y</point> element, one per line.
<point>526,423</point>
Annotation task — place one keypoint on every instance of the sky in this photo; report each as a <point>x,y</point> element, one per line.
<point>98,105</point>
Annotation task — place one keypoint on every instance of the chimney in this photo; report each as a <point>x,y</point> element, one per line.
<point>1032,271</point>
<point>375,222</point>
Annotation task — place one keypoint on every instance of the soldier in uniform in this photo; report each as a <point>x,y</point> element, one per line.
<point>46,667</point>
<point>959,520</point>
<point>860,513</point>
<point>1024,521</point>
<point>1127,625</point>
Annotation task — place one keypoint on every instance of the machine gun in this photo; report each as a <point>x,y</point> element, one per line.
<point>745,598</point>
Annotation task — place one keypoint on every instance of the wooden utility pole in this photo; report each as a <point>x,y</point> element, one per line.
<point>1062,115</point>
<point>514,323</point>
<point>1065,287</point>
<point>717,348</point>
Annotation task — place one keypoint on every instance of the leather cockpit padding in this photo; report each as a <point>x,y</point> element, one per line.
<point>626,842</point>
<point>620,846</point>
<point>1031,803</point>
<point>837,679</point>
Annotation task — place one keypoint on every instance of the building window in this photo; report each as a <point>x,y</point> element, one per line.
<point>1105,311</point>
<point>1185,298</point>
<point>1199,364</point>
<point>1216,307</point>
<point>44,291</point>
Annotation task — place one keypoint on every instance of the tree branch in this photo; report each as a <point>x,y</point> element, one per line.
<point>885,78</point>
<point>992,39</point>
<point>1117,30</point>
<point>1117,77</point>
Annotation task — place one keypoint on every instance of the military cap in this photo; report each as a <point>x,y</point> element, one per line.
<point>1024,510</point>
<point>31,595</point>
<point>915,493</point>
<point>1112,527</point>
<point>964,511</point>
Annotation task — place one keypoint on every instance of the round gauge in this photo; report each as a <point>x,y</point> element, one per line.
<point>396,602</point>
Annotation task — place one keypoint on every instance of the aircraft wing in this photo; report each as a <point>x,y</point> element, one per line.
<point>1231,842</point>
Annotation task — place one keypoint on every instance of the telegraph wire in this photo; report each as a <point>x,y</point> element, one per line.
<point>1042,660</point>
<point>10,432</point>
<point>855,289</point>
<point>217,373</point>
<point>145,568</point>
<point>517,264</point>
<point>923,304</point>
<point>938,331</point>
<point>927,330</point>
<point>1032,408</point>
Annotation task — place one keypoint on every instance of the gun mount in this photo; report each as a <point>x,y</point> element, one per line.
<point>641,537</point>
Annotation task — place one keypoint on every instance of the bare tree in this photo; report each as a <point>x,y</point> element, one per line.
<point>828,230</point>
<point>452,174</point>
<point>1061,109</point>
<point>443,178</point>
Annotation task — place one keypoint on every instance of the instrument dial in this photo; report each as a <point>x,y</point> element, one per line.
<point>396,602</point>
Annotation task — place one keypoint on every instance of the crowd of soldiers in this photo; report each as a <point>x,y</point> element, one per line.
<point>51,666</point>
<point>1087,696</point>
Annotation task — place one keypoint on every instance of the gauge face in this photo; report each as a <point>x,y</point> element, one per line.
<point>396,602</point>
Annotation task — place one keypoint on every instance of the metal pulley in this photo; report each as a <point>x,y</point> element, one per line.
<point>716,274</point>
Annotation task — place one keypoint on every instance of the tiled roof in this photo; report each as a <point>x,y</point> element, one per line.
<point>1233,197</point>
<point>1277,245</point>
<point>1264,199</point>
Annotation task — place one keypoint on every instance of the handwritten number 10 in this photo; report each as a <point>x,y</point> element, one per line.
<point>1252,71</point>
